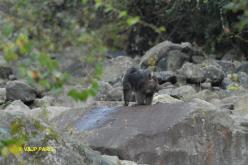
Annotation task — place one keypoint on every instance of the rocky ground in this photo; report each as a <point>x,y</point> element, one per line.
<point>199,116</point>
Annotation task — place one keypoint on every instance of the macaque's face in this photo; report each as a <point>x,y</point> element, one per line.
<point>151,86</point>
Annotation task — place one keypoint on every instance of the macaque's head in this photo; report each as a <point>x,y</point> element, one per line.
<point>151,85</point>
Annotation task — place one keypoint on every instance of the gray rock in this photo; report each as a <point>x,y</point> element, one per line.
<point>116,161</point>
<point>191,133</point>
<point>109,93</point>
<point>162,65</point>
<point>207,95</point>
<point>5,72</point>
<point>239,103</point>
<point>72,62</point>
<point>48,113</point>
<point>116,67</point>
<point>198,59</point>
<point>202,103</point>
<point>76,68</point>
<point>166,76</point>
<point>2,59</point>
<point>227,82</point>
<point>105,87</point>
<point>193,73</point>
<point>185,92</point>
<point>239,79</point>
<point>166,85</point>
<point>214,75</point>
<point>243,68</point>
<point>162,50</point>
<point>17,106</point>
<point>164,98</point>
<point>218,103</point>
<point>4,134</point>
<point>243,79</point>
<point>64,150</point>
<point>206,85</point>
<point>19,90</point>
<point>115,94</point>
<point>227,66</point>
<point>210,62</point>
<point>44,101</point>
<point>173,61</point>
<point>166,91</point>
<point>2,95</point>
<point>3,83</point>
<point>233,54</point>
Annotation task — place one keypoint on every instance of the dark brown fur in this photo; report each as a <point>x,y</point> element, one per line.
<point>142,83</point>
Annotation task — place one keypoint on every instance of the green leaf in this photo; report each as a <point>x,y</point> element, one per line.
<point>133,20</point>
<point>205,1</point>
<point>98,69</point>
<point>8,29</point>
<point>122,14</point>
<point>109,8</point>
<point>46,61</point>
<point>162,29</point>
<point>98,3</point>
<point>90,59</point>
<point>23,3</point>
<point>95,85</point>
<point>45,84</point>
<point>92,91</point>
<point>9,52</point>
<point>23,44</point>
<point>78,95</point>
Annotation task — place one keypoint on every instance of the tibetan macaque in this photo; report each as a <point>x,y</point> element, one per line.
<point>142,82</point>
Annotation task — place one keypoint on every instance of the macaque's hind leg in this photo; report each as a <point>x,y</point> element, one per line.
<point>140,98</point>
<point>127,95</point>
<point>149,99</point>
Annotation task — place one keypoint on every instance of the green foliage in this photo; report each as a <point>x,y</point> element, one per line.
<point>180,20</point>
<point>204,22</point>
<point>34,30</point>
<point>132,21</point>
<point>9,52</point>
<point>20,132</point>
<point>8,29</point>
<point>17,137</point>
<point>233,87</point>
<point>238,6</point>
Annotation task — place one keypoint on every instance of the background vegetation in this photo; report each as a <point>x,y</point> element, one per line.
<point>36,29</point>
<point>32,31</point>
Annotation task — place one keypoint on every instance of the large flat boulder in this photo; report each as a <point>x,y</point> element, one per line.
<point>168,56</point>
<point>64,149</point>
<point>192,73</point>
<point>181,133</point>
<point>20,90</point>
